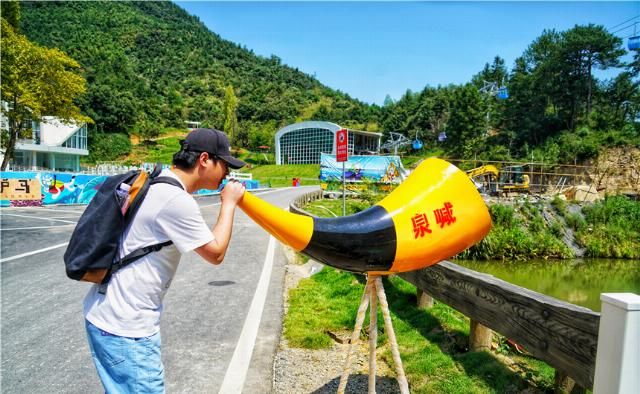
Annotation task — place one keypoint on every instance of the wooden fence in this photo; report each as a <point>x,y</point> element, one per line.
<point>562,334</point>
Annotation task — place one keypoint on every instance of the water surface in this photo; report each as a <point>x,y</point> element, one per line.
<point>579,281</point>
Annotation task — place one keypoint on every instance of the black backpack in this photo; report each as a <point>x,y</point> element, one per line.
<point>92,253</point>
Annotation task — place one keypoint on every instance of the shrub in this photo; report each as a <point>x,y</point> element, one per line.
<point>502,215</point>
<point>108,146</point>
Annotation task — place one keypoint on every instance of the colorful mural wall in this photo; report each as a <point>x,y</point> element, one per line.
<point>377,169</point>
<point>68,188</point>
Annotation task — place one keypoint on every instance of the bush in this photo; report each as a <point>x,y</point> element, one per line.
<point>108,147</point>
<point>502,215</point>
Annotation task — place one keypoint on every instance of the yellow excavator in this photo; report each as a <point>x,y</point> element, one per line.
<point>510,179</point>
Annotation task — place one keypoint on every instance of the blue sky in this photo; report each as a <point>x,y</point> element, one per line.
<point>371,49</point>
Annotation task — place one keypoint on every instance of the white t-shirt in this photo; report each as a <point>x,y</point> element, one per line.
<point>132,304</point>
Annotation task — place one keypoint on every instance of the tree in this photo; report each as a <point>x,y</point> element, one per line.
<point>585,47</point>
<point>466,124</point>
<point>230,115</point>
<point>36,82</point>
<point>11,13</point>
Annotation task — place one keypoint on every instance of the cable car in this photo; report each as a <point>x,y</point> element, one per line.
<point>417,144</point>
<point>442,136</point>
<point>633,43</point>
<point>503,93</point>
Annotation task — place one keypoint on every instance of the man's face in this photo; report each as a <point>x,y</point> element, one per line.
<point>218,170</point>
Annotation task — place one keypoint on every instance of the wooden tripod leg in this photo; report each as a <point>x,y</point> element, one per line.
<point>355,336</point>
<point>373,335</point>
<point>402,379</point>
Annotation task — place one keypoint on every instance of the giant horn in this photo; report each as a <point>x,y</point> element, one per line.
<point>434,214</point>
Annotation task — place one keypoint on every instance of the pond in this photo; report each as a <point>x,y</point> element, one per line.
<point>578,281</point>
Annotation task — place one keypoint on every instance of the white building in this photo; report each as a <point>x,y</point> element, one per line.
<point>53,145</point>
<point>302,143</point>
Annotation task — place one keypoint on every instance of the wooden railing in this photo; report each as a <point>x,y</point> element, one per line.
<point>562,334</point>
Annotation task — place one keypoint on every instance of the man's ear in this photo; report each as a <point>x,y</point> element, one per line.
<point>203,158</point>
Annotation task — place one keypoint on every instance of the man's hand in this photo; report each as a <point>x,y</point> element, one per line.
<point>232,192</point>
<point>215,250</point>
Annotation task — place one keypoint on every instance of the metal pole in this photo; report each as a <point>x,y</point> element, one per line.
<point>344,185</point>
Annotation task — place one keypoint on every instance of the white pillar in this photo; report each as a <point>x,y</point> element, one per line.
<point>618,357</point>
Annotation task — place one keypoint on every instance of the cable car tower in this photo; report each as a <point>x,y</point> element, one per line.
<point>492,89</point>
<point>394,141</point>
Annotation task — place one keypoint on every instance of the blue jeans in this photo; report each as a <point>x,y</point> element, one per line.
<point>126,365</point>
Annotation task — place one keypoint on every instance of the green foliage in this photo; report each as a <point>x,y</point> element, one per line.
<point>153,58</point>
<point>10,11</point>
<point>502,215</point>
<point>36,82</point>
<point>230,107</point>
<point>108,147</point>
<point>519,232</point>
<point>150,65</point>
<point>610,228</point>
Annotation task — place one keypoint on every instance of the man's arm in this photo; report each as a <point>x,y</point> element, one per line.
<point>214,251</point>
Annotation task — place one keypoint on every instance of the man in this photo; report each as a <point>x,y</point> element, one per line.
<point>123,324</point>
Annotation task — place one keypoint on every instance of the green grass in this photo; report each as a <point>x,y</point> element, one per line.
<point>329,207</point>
<point>610,228</point>
<point>281,175</point>
<point>432,343</point>
<point>159,151</point>
<point>519,232</point>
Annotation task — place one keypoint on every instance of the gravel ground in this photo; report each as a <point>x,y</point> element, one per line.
<point>318,371</point>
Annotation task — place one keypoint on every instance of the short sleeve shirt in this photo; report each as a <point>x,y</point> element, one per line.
<point>132,305</point>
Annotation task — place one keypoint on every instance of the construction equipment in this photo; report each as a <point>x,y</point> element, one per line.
<point>510,179</point>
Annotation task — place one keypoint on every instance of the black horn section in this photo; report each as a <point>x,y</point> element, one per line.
<point>362,242</point>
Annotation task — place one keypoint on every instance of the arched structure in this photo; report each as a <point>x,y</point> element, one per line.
<point>302,143</point>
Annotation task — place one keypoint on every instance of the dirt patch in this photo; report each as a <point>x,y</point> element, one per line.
<point>298,370</point>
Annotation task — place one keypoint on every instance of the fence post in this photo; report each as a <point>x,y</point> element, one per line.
<point>425,301</point>
<point>618,355</point>
<point>479,337</point>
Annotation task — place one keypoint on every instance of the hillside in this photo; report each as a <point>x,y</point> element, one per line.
<point>151,64</point>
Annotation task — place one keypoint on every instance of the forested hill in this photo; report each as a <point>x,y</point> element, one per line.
<point>151,64</point>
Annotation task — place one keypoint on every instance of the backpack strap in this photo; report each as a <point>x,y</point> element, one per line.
<point>139,253</point>
<point>156,170</point>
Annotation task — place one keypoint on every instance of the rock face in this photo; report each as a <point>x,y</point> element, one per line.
<point>617,170</point>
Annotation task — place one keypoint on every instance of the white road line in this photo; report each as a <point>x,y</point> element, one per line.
<point>37,217</point>
<point>34,228</point>
<point>38,209</point>
<point>34,252</point>
<point>237,369</point>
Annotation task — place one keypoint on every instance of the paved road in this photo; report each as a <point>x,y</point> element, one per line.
<point>43,343</point>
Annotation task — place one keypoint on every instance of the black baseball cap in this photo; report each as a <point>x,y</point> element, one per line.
<point>214,142</point>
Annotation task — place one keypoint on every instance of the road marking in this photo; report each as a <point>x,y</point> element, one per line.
<point>34,228</point>
<point>36,217</point>
<point>237,369</point>
<point>50,210</point>
<point>34,252</point>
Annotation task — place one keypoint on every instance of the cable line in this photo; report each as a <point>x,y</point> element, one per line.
<point>613,27</point>
<point>624,28</point>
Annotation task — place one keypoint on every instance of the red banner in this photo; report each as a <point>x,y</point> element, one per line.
<point>342,152</point>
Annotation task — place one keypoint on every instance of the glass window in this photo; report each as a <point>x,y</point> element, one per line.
<point>78,140</point>
<point>303,146</point>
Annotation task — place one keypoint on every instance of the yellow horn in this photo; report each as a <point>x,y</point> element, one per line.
<point>434,214</point>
